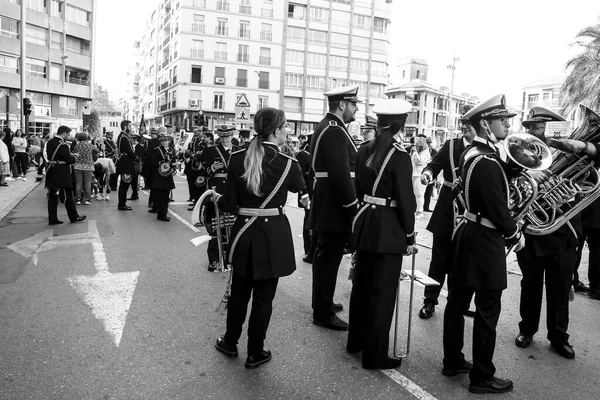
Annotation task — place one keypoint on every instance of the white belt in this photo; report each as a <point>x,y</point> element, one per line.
<point>379,201</point>
<point>449,184</point>
<point>469,216</point>
<point>260,212</point>
<point>220,176</point>
<point>326,174</point>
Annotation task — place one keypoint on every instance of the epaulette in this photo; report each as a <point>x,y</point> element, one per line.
<point>286,156</point>
<point>399,147</point>
<point>239,151</point>
<point>333,123</point>
<point>474,152</point>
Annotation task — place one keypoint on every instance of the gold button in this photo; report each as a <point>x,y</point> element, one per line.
<point>266,219</point>
<point>373,206</point>
<point>246,220</point>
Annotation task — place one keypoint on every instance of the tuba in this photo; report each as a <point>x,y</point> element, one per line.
<point>573,185</point>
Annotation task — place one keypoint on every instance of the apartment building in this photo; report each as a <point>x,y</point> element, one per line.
<point>205,55</point>
<point>544,93</point>
<point>59,39</point>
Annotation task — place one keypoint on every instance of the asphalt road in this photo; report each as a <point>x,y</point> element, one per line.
<point>123,307</point>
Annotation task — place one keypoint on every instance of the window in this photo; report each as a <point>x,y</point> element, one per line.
<point>35,67</point>
<point>221,51</point>
<point>378,68</point>
<point>174,97</point>
<point>376,90</point>
<point>56,8</point>
<point>219,101</point>
<point>296,34</point>
<point>337,63</point>
<point>319,14</point>
<point>79,46</point>
<point>294,57</point>
<point>55,72</point>
<point>244,31</point>
<point>362,21</point>
<point>77,77</point>
<point>197,50</point>
<point>317,37</point>
<point>292,104</point>
<point>196,74</point>
<point>242,78</point>
<point>223,5</point>
<point>56,39</point>
<point>336,82</point>
<point>265,56</point>
<point>68,105</point>
<point>220,75</point>
<point>243,53</point>
<point>198,23</point>
<point>221,28</point>
<point>315,83</point>
<point>533,100</point>
<point>199,3</point>
<point>340,40</point>
<point>359,65</point>
<point>294,81</point>
<point>266,32</point>
<point>263,101</point>
<point>379,46</point>
<point>316,60</point>
<point>296,11</point>
<point>38,5</point>
<point>380,25</point>
<point>9,27</point>
<point>37,35</point>
<point>267,9</point>
<point>9,64</point>
<point>245,7</point>
<point>263,80</point>
<point>195,98</point>
<point>77,16</point>
<point>418,74</point>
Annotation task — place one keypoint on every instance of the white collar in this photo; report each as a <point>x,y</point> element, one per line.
<point>485,142</point>
<point>465,142</point>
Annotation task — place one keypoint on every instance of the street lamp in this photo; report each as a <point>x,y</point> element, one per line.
<point>453,68</point>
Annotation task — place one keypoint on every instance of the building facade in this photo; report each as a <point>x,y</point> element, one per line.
<point>542,93</point>
<point>200,55</point>
<point>59,38</point>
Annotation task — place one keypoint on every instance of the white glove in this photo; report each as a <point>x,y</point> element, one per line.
<point>426,178</point>
<point>520,244</point>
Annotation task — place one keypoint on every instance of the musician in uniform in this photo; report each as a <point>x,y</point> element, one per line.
<point>140,151</point>
<point>383,232</point>
<point>335,205</point>
<point>446,210</point>
<point>367,130</point>
<point>549,258</point>
<point>153,144</point>
<point>215,160</point>
<point>480,259</point>
<point>58,177</point>
<point>245,138</point>
<point>303,158</point>
<point>162,183</point>
<point>125,165</point>
<point>258,182</point>
<point>193,166</point>
<point>111,151</point>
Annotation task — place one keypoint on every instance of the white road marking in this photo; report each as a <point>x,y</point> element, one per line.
<point>408,385</point>
<point>183,221</point>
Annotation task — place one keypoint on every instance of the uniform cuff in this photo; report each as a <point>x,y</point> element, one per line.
<point>350,204</point>
<point>305,195</point>
<point>410,239</point>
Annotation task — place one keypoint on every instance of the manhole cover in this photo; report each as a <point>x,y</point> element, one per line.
<point>28,220</point>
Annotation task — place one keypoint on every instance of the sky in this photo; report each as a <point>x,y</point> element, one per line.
<point>501,45</point>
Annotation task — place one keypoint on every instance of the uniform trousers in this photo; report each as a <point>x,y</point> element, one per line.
<point>442,258</point>
<point>557,269</point>
<point>191,177</point>
<point>326,263</point>
<point>592,236</point>
<point>487,312</point>
<point>135,185</point>
<point>306,234</point>
<point>263,293</point>
<point>161,201</point>
<point>53,205</point>
<point>212,251</point>
<point>372,304</point>
<point>123,188</point>
<point>428,195</point>
<point>112,181</point>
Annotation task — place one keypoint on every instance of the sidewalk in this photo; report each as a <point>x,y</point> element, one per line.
<point>16,191</point>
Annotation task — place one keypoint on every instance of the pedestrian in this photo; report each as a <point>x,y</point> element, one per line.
<point>258,181</point>
<point>4,160</point>
<point>480,245</point>
<point>21,158</point>
<point>111,151</point>
<point>420,158</point>
<point>104,167</point>
<point>125,164</point>
<point>383,232</point>
<point>163,164</point>
<point>140,152</point>
<point>335,205</point>
<point>84,168</point>
<point>58,177</point>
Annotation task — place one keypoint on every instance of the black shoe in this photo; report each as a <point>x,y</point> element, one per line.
<point>353,349</point>
<point>153,211</point>
<point>163,218</point>
<point>259,359</point>
<point>124,208</point>
<point>470,313</point>
<point>332,323</point>
<point>523,340</point>
<point>79,219</point>
<point>212,267</point>
<point>492,385</point>
<point>389,363</point>
<point>427,210</point>
<point>337,307</point>
<point>190,200</point>
<point>133,198</point>
<point>307,260</point>
<point>580,287</point>
<point>57,222</point>
<point>227,349</point>
<point>463,369</point>
<point>427,310</point>
<point>594,294</point>
<point>191,207</point>
<point>564,349</point>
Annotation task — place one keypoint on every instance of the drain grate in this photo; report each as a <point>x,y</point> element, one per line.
<point>27,220</point>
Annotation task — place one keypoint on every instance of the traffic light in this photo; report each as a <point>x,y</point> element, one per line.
<point>26,106</point>
<point>201,118</point>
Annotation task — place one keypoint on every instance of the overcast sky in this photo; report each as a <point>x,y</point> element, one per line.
<point>502,45</point>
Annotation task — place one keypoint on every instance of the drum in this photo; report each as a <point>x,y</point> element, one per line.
<point>200,181</point>
<point>126,178</point>
<point>164,168</point>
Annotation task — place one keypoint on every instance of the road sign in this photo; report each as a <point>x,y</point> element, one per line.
<point>242,101</point>
<point>12,104</point>
<point>242,115</point>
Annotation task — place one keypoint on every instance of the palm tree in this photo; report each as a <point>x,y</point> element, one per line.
<point>582,85</point>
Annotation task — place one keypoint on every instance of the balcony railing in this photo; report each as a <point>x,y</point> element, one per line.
<point>222,5</point>
<point>245,9</point>
<point>378,73</point>
<point>221,31</point>
<point>294,109</point>
<point>78,81</point>
<point>218,105</point>
<point>163,107</point>
<point>243,58</point>
<point>196,78</point>
<point>166,41</point>
<point>221,55</point>
<point>264,60</point>
<point>81,51</point>
<point>163,86</point>
<point>174,104</point>
<point>197,53</point>
<point>174,79</point>
<point>242,82</point>
<point>244,33</point>
<point>198,28</point>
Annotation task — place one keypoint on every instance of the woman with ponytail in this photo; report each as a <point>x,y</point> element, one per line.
<point>262,250</point>
<point>383,232</point>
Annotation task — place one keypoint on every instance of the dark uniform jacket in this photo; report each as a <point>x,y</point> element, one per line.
<point>264,249</point>
<point>334,200</point>
<point>442,219</point>
<point>158,181</point>
<point>383,229</point>
<point>481,251</point>
<point>210,156</point>
<point>127,156</point>
<point>194,151</point>
<point>303,158</point>
<point>58,176</point>
<point>110,149</point>
<point>140,151</point>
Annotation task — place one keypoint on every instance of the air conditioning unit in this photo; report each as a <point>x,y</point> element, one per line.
<point>194,103</point>
<point>219,80</point>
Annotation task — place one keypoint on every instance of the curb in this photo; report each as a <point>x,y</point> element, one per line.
<point>6,210</point>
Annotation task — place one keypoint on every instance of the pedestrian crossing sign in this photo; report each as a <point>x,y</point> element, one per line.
<point>242,115</point>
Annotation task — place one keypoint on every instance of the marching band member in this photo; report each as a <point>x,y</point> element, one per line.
<point>140,151</point>
<point>367,130</point>
<point>442,220</point>
<point>215,160</point>
<point>245,138</point>
<point>551,258</point>
<point>383,232</point>
<point>162,185</point>
<point>303,158</point>
<point>111,151</point>
<point>480,260</point>
<point>153,144</point>
<point>262,251</point>
<point>333,158</point>
<point>192,164</point>
<point>125,165</point>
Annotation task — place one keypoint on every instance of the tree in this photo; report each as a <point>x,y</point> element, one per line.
<point>100,103</point>
<point>582,85</point>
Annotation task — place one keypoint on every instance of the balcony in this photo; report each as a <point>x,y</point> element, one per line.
<point>198,28</point>
<point>78,81</point>
<point>174,104</point>
<point>165,63</point>
<point>222,5</point>
<point>243,58</point>
<point>264,60</point>
<point>220,55</point>
<point>166,41</point>
<point>174,79</point>
<point>164,107</point>
<point>197,53</point>
<point>266,36</point>
<point>163,86</point>
<point>244,33</point>
<point>242,82</point>
<point>245,9</point>
<point>221,31</point>
<point>81,51</point>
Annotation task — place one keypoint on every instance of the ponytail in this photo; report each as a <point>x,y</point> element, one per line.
<point>253,173</point>
<point>384,137</point>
